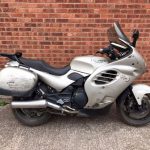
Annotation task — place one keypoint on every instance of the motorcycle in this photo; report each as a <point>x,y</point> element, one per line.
<point>89,84</point>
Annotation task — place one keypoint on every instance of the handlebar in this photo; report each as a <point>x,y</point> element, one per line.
<point>109,51</point>
<point>114,51</point>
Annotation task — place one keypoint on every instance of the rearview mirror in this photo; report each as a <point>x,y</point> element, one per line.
<point>135,36</point>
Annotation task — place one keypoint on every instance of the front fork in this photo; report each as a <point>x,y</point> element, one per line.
<point>138,91</point>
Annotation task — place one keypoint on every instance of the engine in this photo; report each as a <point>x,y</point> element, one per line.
<point>79,98</point>
<point>73,96</point>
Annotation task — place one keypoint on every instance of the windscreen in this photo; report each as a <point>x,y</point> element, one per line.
<point>115,33</point>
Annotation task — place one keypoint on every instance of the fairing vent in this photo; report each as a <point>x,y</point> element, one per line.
<point>105,77</point>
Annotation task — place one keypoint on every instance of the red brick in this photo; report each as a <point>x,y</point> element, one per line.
<point>48,10</point>
<point>100,1</point>
<point>50,20</point>
<point>3,4</point>
<point>61,20</point>
<point>30,15</point>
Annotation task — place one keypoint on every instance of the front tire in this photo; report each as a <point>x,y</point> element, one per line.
<point>132,113</point>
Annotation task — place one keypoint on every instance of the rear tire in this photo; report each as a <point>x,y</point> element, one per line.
<point>31,117</point>
<point>27,119</point>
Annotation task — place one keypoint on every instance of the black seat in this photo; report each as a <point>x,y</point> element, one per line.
<point>43,66</point>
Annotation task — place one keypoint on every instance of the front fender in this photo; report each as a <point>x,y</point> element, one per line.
<point>139,90</point>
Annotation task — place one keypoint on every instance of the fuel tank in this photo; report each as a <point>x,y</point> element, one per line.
<point>88,64</point>
<point>17,82</point>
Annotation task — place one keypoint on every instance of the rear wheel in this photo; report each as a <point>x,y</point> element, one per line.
<point>132,113</point>
<point>31,117</point>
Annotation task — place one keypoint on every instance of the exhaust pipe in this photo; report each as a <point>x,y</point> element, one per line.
<point>35,104</point>
<point>42,104</point>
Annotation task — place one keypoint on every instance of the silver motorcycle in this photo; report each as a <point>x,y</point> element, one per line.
<point>87,85</point>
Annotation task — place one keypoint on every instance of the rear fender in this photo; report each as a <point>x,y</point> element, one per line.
<point>139,90</point>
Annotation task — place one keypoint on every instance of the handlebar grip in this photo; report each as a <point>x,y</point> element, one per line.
<point>100,51</point>
<point>106,50</point>
<point>103,51</point>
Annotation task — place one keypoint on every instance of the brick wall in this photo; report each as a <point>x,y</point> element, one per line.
<point>58,30</point>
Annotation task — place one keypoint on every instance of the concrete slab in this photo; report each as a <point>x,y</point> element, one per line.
<point>71,133</point>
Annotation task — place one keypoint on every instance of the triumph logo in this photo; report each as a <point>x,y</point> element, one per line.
<point>125,78</point>
<point>100,60</point>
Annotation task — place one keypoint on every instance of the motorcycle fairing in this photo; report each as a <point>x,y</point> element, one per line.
<point>127,69</point>
<point>87,64</point>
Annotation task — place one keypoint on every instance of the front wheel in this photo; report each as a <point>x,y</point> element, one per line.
<point>132,113</point>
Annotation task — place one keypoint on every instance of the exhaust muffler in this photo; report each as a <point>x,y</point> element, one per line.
<point>42,104</point>
<point>35,104</point>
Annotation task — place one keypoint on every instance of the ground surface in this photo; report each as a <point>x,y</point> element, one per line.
<point>66,133</point>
